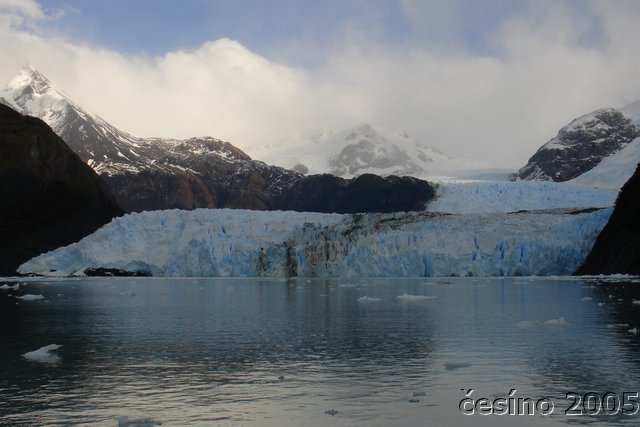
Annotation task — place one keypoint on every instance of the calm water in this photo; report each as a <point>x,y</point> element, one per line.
<point>254,352</point>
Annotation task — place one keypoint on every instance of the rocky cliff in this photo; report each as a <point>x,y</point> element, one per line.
<point>617,248</point>
<point>580,146</point>
<point>49,197</point>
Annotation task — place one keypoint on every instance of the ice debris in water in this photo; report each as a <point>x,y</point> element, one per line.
<point>633,331</point>
<point>31,297</point>
<point>366,299</point>
<point>526,324</point>
<point>7,286</point>
<point>450,366</point>
<point>411,298</point>
<point>44,354</point>
<point>558,322</point>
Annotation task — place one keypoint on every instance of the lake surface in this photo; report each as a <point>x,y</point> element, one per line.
<point>275,352</point>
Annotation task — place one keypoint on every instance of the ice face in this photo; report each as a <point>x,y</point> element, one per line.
<point>252,243</point>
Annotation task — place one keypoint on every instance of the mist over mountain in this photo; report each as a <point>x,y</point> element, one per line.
<point>164,173</point>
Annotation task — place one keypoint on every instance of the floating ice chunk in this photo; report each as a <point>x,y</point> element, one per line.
<point>587,299</point>
<point>636,301</point>
<point>450,366</point>
<point>6,286</point>
<point>412,298</point>
<point>44,354</point>
<point>31,297</point>
<point>558,322</point>
<point>526,324</point>
<point>366,299</point>
<point>633,331</point>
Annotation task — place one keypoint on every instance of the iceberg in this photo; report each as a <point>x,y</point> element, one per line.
<point>44,354</point>
<point>225,242</point>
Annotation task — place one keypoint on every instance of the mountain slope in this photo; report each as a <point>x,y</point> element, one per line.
<point>162,173</point>
<point>580,146</point>
<point>617,248</point>
<point>48,196</point>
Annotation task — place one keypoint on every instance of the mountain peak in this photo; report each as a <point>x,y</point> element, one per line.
<point>30,77</point>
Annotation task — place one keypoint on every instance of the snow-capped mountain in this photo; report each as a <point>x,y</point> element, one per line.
<point>162,173</point>
<point>107,149</point>
<point>581,145</point>
<point>359,150</point>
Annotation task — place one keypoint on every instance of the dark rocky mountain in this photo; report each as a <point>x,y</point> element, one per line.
<point>49,197</point>
<point>366,193</point>
<point>160,173</point>
<point>580,146</point>
<point>617,248</point>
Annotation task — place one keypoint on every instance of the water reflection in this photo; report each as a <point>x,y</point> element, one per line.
<point>307,352</point>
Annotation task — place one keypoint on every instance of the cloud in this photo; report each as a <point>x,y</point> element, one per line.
<point>22,8</point>
<point>538,67</point>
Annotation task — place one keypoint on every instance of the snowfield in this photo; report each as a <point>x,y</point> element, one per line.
<point>460,196</point>
<point>257,243</point>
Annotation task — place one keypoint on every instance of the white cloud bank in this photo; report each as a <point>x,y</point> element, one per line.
<point>546,67</point>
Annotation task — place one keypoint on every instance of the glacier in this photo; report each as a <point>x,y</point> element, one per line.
<point>226,242</point>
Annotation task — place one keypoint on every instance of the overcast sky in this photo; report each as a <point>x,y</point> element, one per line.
<point>490,80</point>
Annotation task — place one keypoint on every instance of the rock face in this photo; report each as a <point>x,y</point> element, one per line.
<point>617,248</point>
<point>50,198</point>
<point>580,146</point>
<point>161,173</point>
<point>366,193</point>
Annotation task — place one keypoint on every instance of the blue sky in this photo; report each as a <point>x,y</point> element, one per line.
<point>490,79</point>
<point>154,27</point>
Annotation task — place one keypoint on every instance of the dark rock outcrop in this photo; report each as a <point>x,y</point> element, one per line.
<point>580,146</point>
<point>366,193</point>
<point>49,197</point>
<point>617,248</point>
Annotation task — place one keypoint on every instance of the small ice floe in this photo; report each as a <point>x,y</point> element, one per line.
<point>557,322</point>
<point>633,331</point>
<point>413,298</point>
<point>526,324</point>
<point>600,304</point>
<point>587,299</point>
<point>365,299</point>
<point>451,366</point>
<point>617,325</point>
<point>331,412</point>
<point>44,354</point>
<point>31,297</point>
<point>636,302</point>
<point>7,286</point>
<point>347,285</point>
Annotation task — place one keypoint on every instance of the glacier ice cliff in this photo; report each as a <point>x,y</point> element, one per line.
<point>258,243</point>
